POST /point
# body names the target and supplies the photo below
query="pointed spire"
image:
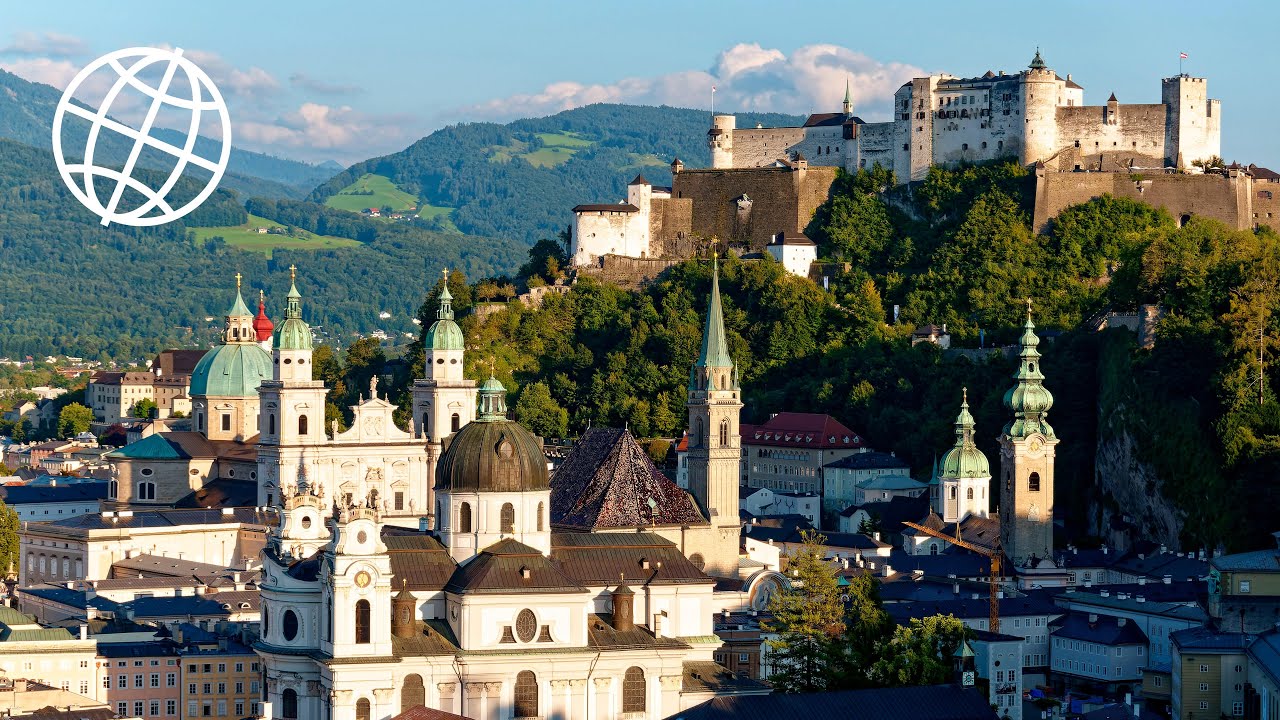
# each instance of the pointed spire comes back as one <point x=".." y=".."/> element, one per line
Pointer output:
<point x="262" y="324"/>
<point x="1037" y="63"/>
<point x="293" y="282"/>
<point x="848" y="98"/>
<point x="238" y="308"/>
<point x="715" y="349"/>
<point x="445" y="311"/>
<point x="1028" y="399"/>
<point x="964" y="421"/>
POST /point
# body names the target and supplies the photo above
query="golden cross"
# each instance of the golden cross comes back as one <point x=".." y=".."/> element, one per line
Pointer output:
<point x="1028" y="307"/>
<point x="445" y="273"/>
<point x="262" y="295"/>
<point x="964" y="393"/>
<point x="237" y="282"/>
<point x="293" y="273"/>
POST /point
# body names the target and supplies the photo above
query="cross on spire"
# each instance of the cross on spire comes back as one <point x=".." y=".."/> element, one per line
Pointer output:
<point x="238" y="282"/>
<point x="293" y="273"/>
<point x="1028" y="307"/>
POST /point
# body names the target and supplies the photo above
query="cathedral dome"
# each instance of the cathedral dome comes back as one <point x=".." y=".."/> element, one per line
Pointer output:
<point x="294" y="333"/>
<point x="964" y="459"/>
<point x="233" y="370"/>
<point x="492" y="454"/>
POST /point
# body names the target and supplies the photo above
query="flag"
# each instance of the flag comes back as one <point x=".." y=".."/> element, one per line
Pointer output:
<point x="713" y="88"/>
<point x="1182" y="56"/>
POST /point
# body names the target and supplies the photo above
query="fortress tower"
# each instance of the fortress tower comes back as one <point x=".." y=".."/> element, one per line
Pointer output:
<point x="1193" y="127"/>
<point x="720" y="139"/>
<point x="1040" y="109"/>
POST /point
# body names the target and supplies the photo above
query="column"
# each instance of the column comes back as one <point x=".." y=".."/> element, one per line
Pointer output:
<point x="577" y="701"/>
<point x="601" y="703"/>
<point x="447" y="700"/>
<point x="669" y="697"/>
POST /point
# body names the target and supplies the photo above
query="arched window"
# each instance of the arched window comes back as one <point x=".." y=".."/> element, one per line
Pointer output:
<point x="633" y="690"/>
<point x="464" y="518"/>
<point x="1033" y="482"/>
<point x="302" y="424"/>
<point x="953" y="492"/>
<point x="362" y="709"/>
<point x="699" y="435"/>
<point x="42" y="565"/>
<point x="289" y="704"/>
<point x="724" y="432"/>
<point x="425" y="429"/>
<point x="968" y="494"/>
<point x="113" y="489"/>
<point x="412" y="693"/>
<point x="289" y="626"/>
<point x="362" y="622"/>
<point x="541" y="509"/>
<point x="698" y="561"/>
<point x="146" y="490"/>
<point x="508" y="518"/>
<point x="526" y="694"/>
<point x="271" y="424"/>
<point x="933" y="548"/>
<point x="66" y="568"/>
<point x="265" y="616"/>
<point x="455" y="423"/>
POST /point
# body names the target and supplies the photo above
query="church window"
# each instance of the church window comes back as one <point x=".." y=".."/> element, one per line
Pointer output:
<point x="633" y="690"/>
<point x="271" y="424"/>
<point x="306" y="522"/>
<point x="200" y="422"/>
<point x="464" y="518"/>
<point x="526" y="694"/>
<point x="226" y="422"/>
<point x="933" y="548"/>
<point x="507" y="518"/>
<point x="113" y="489"/>
<point x="526" y="625"/>
<point x="440" y="361"/>
<point x="289" y="626"/>
<point x="698" y="561"/>
<point x="953" y="492"/>
<point x="412" y="693"/>
<point x="363" y="709"/>
<point x="146" y="491"/>
<point x="969" y="494"/>
<point x="289" y="704"/>
<point x="455" y="423"/>
<point x="1033" y="482"/>
<point x="399" y="498"/>
<point x="362" y="622"/>
<point x="541" y="510"/>
<point x="302" y="424"/>
<point x="724" y="432"/>
<point x="266" y="615"/>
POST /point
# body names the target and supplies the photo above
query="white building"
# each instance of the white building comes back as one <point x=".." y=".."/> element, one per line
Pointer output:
<point x="795" y="251"/>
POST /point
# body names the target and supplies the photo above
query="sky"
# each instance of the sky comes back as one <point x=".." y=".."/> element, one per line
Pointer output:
<point x="346" y="81"/>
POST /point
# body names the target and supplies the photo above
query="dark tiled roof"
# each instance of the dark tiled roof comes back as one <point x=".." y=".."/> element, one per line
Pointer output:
<point x="155" y="565"/>
<point x="929" y="702"/>
<point x="501" y="568"/>
<point x="195" y="605"/>
<point x="433" y="637"/>
<point x="870" y="460"/>
<point x="76" y="492"/>
<point x="1205" y="639"/>
<point x="966" y="606"/>
<point x="50" y="712"/>
<point x="133" y="650"/>
<point x="608" y="481"/>
<point x="420" y="559"/>
<point x="809" y="430"/>
<point x="161" y="518"/>
<point x="307" y="569"/>
<point x="601" y="558"/>
<point x="177" y="362"/>
<point x="639" y="180"/>
<point x="1264" y="560"/>
<point x="71" y="598"/>
<point x="602" y="635"/>
<point x="705" y="676"/>
<point x="605" y="207"/>
<point x="829" y="119"/>
<point x="220" y="493"/>
<point x="425" y="713"/>
<point x="1106" y="630"/>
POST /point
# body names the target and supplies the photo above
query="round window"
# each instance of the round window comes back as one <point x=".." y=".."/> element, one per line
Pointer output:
<point x="526" y="625"/>
<point x="287" y="361"/>
<point x="194" y="471"/>
<point x="231" y="473"/>
<point x="440" y="361"/>
<point x="306" y="522"/>
<point x="146" y="472"/>
<point x="290" y="625"/>
<point x="253" y="474"/>
<point x="453" y="361"/>
<point x="361" y="537"/>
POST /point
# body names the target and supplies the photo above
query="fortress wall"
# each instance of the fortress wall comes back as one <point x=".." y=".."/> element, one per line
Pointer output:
<point x="1266" y="204"/>
<point x="781" y="199"/>
<point x="1222" y="198"/>
<point x="877" y="143"/>
<point x="599" y="233"/>
<point x="758" y="147"/>
<point x="1137" y="138"/>
<point x="627" y="272"/>
<point x="671" y="227"/>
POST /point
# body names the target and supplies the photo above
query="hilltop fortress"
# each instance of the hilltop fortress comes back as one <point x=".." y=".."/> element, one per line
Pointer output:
<point x="766" y="183"/>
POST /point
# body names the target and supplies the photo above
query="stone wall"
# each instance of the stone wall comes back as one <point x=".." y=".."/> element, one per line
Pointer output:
<point x="1092" y="140"/>
<point x="1222" y="198"/>
<point x="759" y="147"/>
<point x="671" y="227"/>
<point x="628" y="272"/>
<point x="782" y="199"/>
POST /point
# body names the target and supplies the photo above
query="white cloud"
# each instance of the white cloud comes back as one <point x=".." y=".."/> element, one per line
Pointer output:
<point x="746" y="77"/>
<point x="321" y="131"/>
<point x="305" y="82"/>
<point x="43" y="70"/>
<point x="48" y="44"/>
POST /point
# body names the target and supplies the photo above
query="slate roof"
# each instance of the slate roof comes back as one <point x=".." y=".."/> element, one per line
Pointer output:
<point x="433" y="637"/>
<point x="159" y="518"/>
<point x="76" y="492"/>
<point x="1206" y="639"/>
<point x="607" y="481"/>
<point x="501" y="568"/>
<point x="829" y="119"/>
<point x="1259" y="560"/>
<point x="136" y="650"/>
<point x="1265" y="653"/>
<point x="418" y="558"/>
<point x="602" y="558"/>
<point x="78" y="599"/>
<point x="606" y="207"/>
<point x="893" y="512"/>
<point x="602" y="635"/>
<point x="425" y="713"/>
<point x="806" y="430"/>
<point x="1106" y="630"/>
<point x="706" y="676"/>
<point x="891" y="482"/>
<point x="147" y="565"/>
<point x="220" y="493"/>
<point x="870" y="460"/>
<point x="966" y="606"/>
<point x="928" y="702"/>
<point x="195" y="605"/>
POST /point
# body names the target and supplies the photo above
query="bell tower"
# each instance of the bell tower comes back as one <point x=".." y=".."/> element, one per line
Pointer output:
<point x="357" y="585"/>
<point x="1026" y="459"/>
<point x="715" y="443"/>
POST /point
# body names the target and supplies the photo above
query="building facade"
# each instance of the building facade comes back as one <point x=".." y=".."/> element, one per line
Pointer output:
<point x="790" y="451"/>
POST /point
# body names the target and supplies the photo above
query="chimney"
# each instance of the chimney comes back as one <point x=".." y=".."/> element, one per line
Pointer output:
<point x="887" y="570"/>
<point x="84" y="632"/>
<point x="1093" y="618"/>
<point x="1141" y="598"/>
<point x="1088" y="583"/>
<point x="1105" y="550"/>
<point x="1120" y="622"/>
<point x="1168" y="579"/>
<point x="624" y="608"/>
<point x="222" y="642"/>
<point x="20" y="685"/>
<point x="955" y="588"/>
<point x="658" y="624"/>
<point x="1142" y="581"/>
<point x="1105" y="593"/>
<point x="1164" y="549"/>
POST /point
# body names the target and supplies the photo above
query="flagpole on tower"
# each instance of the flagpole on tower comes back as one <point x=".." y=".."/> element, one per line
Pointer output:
<point x="1181" y="56"/>
<point x="713" y="101"/>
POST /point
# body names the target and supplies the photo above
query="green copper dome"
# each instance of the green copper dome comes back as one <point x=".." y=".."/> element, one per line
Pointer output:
<point x="294" y="333"/>
<point x="964" y="459"/>
<point x="1029" y="399"/>
<point x="444" y="333"/>
<point x="233" y="370"/>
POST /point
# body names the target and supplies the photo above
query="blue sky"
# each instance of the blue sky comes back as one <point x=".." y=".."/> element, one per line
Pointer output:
<point x="320" y="80"/>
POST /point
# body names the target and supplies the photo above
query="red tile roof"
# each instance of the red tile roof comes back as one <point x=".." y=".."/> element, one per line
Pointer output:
<point x="810" y="430"/>
<point x="426" y="713"/>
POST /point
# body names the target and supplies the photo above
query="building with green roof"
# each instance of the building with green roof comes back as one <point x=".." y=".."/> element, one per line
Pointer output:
<point x="224" y="384"/>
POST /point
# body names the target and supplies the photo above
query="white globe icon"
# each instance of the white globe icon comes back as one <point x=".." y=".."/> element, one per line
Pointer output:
<point x="101" y="188"/>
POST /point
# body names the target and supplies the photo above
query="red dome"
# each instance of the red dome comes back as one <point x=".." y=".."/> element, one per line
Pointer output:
<point x="262" y="324"/>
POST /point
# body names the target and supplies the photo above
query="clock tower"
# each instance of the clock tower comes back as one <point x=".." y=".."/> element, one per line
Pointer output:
<point x="356" y="573"/>
<point x="1026" y="459"/>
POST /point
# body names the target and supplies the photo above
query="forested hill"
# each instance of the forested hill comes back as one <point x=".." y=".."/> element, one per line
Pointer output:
<point x="520" y="180"/>
<point x="26" y="115"/>
<point x="70" y="285"/>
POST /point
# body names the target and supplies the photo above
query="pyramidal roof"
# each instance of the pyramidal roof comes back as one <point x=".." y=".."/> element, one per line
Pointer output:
<point x="715" y="349"/>
<point x="608" y="481"/>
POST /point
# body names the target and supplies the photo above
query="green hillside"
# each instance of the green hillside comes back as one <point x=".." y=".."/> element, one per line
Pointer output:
<point x="520" y="180"/>
<point x="26" y="115"/>
<point x="372" y="191"/>
<point x="72" y="286"/>
<point x="250" y="236"/>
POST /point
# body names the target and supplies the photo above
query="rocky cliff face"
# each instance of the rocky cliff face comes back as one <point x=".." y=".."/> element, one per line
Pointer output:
<point x="1127" y="504"/>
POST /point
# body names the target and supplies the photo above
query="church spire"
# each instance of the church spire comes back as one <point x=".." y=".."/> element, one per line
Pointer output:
<point x="715" y="349"/>
<point x="1028" y="399"/>
<point x="848" y="98"/>
<point x="445" y="311"/>
<point x="238" y="308"/>
<point x="294" y="332"/>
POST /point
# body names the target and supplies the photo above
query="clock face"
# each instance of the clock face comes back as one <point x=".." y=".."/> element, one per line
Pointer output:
<point x="363" y="579"/>
<point x="1034" y="445"/>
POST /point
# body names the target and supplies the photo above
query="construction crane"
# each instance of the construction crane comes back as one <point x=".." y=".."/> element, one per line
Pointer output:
<point x="993" y="554"/>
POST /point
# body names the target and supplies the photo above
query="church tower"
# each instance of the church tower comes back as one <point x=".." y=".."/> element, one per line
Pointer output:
<point x="224" y="384"/>
<point x="1026" y="459"/>
<point x="356" y="574"/>
<point x="715" y="447"/>
<point x="964" y="476"/>
<point x="292" y="414"/>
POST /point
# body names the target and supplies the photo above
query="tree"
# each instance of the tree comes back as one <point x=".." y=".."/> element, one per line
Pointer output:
<point x="808" y="618"/>
<point x="539" y="412"/>
<point x="867" y="629"/>
<point x="920" y="653"/>
<point x="9" y="526"/>
<point x="74" y="419"/>
<point x="144" y="408"/>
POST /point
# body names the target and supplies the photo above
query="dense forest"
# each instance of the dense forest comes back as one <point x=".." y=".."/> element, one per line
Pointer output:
<point x="470" y="167"/>
<point x="958" y="249"/>
<point x="73" y="286"/>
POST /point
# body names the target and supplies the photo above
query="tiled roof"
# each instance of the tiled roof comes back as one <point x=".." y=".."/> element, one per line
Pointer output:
<point x="420" y="559"/>
<point x="607" y="207"/>
<point x="829" y="119"/>
<point x="212" y="605"/>
<point x="508" y="566"/>
<point x="147" y="565"/>
<point x="433" y="637"/>
<point x="608" y="481"/>
<point x="162" y="446"/>
<point x="603" y="636"/>
<point x="1265" y="653"/>
<point x="1263" y="560"/>
<point x="870" y="460"/>
<point x="927" y="702"/>
<point x="967" y="606"/>
<point x="177" y="362"/>
<point x="706" y="676"/>
<point x="1204" y="639"/>
<point x="425" y="713"/>
<point x="135" y="650"/>
<point x="1106" y="630"/>
<point x="891" y="482"/>
<point x="601" y="558"/>
<point x="159" y="518"/>
<point x="76" y="492"/>
<point x="810" y="430"/>
<point x="220" y="493"/>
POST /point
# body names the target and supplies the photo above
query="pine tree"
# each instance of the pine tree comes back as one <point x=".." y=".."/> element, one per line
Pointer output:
<point x="808" y="619"/>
